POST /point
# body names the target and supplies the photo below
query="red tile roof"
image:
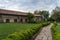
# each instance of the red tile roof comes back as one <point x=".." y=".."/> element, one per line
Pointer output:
<point x="3" y="11"/>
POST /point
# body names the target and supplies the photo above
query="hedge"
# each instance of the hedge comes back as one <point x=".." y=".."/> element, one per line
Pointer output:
<point x="54" y="30"/>
<point x="54" y="27"/>
<point x="26" y="34"/>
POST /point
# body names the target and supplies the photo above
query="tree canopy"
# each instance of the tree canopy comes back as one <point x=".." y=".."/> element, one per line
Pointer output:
<point x="56" y="14"/>
<point x="30" y="17"/>
<point x="44" y="13"/>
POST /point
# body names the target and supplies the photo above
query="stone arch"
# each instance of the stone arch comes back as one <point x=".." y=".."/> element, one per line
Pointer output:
<point x="15" y="20"/>
<point x="7" y="20"/>
<point x="26" y="20"/>
<point x="21" y="20"/>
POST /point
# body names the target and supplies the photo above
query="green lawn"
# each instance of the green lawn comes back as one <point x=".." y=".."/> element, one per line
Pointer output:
<point x="8" y="28"/>
<point x="57" y="33"/>
<point x="58" y="27"/>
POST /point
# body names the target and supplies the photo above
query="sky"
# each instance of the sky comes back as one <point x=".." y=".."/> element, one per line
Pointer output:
<point x="29" y="5"/>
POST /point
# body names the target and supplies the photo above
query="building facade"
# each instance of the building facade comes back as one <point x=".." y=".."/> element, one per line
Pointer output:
<point x="16" y="16"/>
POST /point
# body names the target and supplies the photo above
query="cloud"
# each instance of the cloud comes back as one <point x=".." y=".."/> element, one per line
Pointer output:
<point x="29" y="5"/>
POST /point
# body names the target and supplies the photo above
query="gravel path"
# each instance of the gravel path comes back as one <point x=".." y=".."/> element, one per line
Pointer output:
<point x="45" y="33"/>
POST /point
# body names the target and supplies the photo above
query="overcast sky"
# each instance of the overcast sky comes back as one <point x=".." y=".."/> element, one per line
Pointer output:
<point x="29" y="5"/>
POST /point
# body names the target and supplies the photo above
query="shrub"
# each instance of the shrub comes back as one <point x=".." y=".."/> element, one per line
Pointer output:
<point x="53" y="27"/>
<point x="54" y="31"/>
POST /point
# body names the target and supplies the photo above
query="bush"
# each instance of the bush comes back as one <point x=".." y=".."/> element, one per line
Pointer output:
<point x="54" y="27"/>
<point x="54" y="31"/>
<point x="26" y="34"/>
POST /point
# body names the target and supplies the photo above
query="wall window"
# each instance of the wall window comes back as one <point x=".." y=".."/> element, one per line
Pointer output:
<point x="25" y="20"/>
<point x="21" y="20"/>
<point x="7" y="20"/>
<point x="15" y="20"/>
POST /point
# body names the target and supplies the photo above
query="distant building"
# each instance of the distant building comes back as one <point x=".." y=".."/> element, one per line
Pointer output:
<point x="16" y="16"/>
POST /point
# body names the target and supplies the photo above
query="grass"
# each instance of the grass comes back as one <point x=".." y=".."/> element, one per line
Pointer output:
<point x="57" y="32"/>
<point x="9" y="28"/>
<point x="26" y="34"/>
<point x="58" y="27"/>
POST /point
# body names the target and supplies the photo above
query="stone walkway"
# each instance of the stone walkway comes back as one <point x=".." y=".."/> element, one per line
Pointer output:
<point x="45" y="33"/>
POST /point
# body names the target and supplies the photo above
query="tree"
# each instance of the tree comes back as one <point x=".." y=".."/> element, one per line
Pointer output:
<point x="36" y="12"/>
<point x="30" y="17"/>
<point x="45" y="14"/>
<point x="56" y="14"/>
